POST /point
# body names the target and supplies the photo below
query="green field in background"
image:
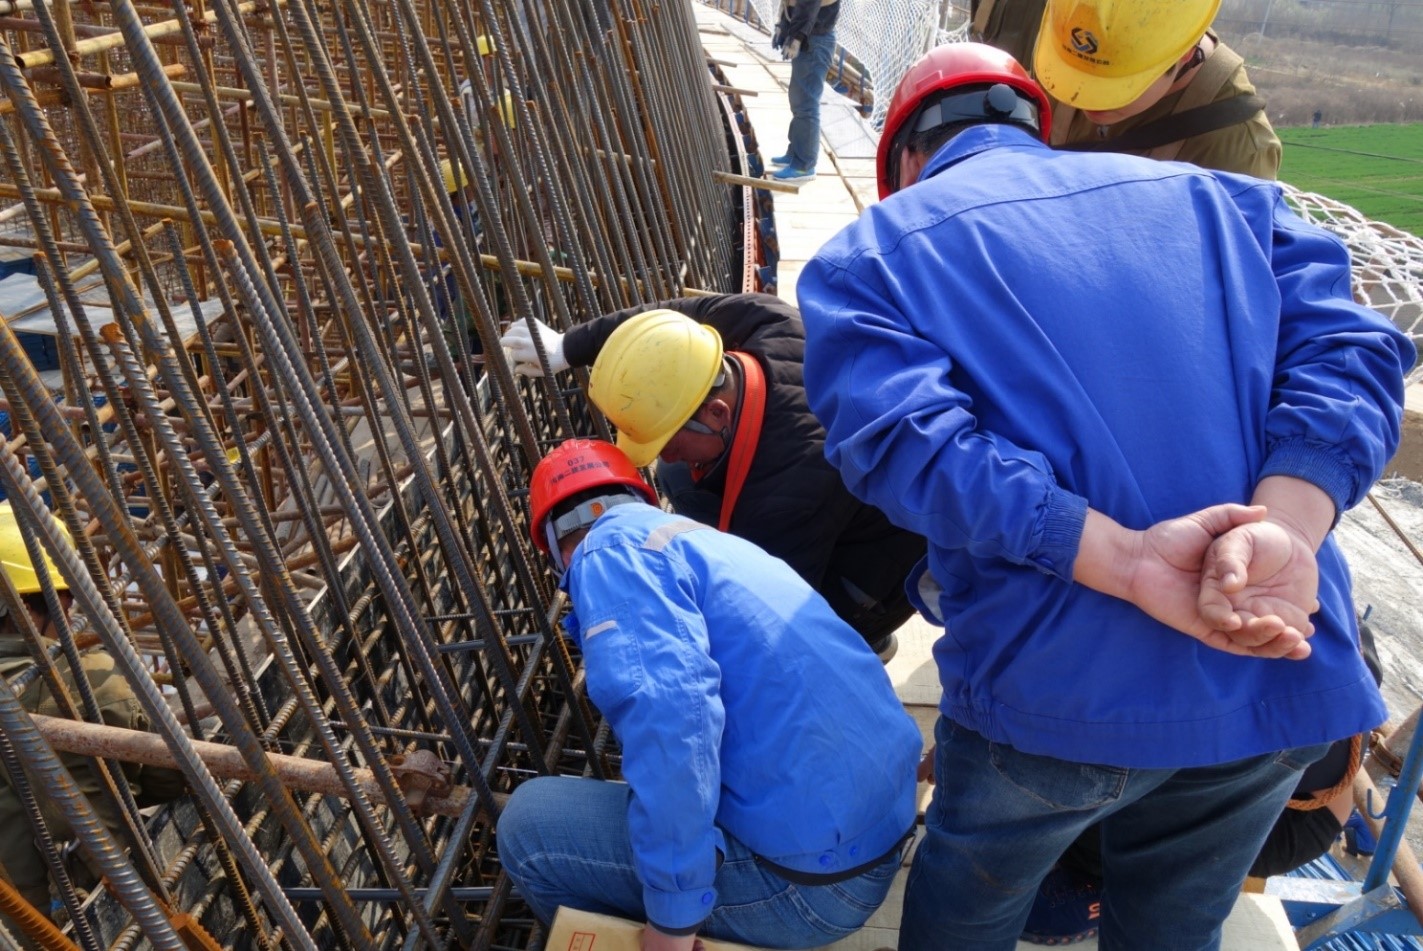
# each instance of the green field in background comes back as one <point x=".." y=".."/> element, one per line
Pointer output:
<point x="1376" y="168"/>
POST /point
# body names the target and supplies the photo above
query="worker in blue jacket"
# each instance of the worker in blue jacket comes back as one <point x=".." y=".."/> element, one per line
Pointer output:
<point x="1068" y="371"/>
<point x="769" y="765"/>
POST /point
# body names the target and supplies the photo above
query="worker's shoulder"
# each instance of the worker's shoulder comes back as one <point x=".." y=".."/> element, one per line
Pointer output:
<point x="638" y="526"/>
<point x="758" y="299"/>
<point x="102" y="672"/>
<point x="1248" y="147"/>
<point x="110" y="690"/>
<point x="751" y="312"/>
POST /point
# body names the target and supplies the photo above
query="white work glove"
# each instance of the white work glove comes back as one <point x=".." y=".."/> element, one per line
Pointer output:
<point x="520" y="345"/>
<point x="792" y="48"/>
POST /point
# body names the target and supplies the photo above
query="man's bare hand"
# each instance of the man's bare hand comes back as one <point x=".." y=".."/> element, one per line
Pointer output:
<point x="1257" y="578"/>
<point x="1165" y="580"/>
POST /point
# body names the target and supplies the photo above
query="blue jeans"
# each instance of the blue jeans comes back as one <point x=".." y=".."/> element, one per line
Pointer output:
<point x="1176" y="843"/>
<point x="808" y="71"/>
<point x="565" y="841"/>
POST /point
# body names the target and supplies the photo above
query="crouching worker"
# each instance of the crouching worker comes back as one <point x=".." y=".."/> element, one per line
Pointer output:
<point x="712" y="387"/>
<point x="769" y="765"/>
<point x="21" y="862"/>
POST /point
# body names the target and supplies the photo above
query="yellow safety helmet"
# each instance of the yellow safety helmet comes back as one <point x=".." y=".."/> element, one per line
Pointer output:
<point x="1103" y="54"/>
<point x="485" y="44"/>
<point x="15" y="560"/>
<point x="453" y="182"/>
<point x="506" y="108"/>
<point x="650" y="377"/>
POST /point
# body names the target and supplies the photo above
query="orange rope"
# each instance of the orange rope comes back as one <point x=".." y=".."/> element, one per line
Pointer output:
<point x="1320" y="800"/>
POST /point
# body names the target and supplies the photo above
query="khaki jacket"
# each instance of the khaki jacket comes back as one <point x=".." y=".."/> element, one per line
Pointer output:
<point x="1249" y="148"/>
<point x="21" y="862"/>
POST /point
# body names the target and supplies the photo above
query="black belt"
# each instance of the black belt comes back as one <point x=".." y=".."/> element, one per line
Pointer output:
<point x="797" y="877"/>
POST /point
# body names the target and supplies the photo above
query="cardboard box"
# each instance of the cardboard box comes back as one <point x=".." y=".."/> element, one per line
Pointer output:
<point x="575" y="930"/>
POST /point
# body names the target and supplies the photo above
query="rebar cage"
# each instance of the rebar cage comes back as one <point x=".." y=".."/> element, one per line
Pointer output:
<point x="255" y="260"/>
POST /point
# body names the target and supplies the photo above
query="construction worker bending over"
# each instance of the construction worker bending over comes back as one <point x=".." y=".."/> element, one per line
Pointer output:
<point x="739" y="446"/>
<point x="1067" y="370"/>
<point x="769" y="765"/>
<point x="1143" y="76"/>
<point x="21" y="862"/>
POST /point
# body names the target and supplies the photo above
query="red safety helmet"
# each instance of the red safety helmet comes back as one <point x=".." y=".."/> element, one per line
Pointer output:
<point x="576" y="466"/>
<point x="944" y="68"/>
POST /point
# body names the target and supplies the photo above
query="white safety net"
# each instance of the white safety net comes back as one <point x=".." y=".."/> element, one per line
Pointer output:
<point x="1387" y="261"/>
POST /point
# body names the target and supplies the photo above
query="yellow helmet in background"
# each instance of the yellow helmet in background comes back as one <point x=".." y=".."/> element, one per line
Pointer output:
<point x="506" y="108"/>
<point x="1101" y="55"/>
<point x="650" y="377"/>
<point x="487" y="47"/>
<point x="454" y="180"/>
<point x="15" y="560"/>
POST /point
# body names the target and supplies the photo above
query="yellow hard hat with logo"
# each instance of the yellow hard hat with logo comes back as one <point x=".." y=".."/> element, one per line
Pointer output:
<point x="650" y="377"/>
<point x="15" y="559"/>
<point x="1101" y="55"/>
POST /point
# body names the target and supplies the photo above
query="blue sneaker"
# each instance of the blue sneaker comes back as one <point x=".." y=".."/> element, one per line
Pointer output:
<point x="790" y="175"/>
<point x="1067" y="909"/>
<point x="1358" y="837"/>
<point x="780" y="161"/>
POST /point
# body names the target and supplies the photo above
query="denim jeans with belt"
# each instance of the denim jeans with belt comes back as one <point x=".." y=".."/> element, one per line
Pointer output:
<point x="1176" y="843"/>
<point x="808" y="71"/>
<point x="565" y="841"/>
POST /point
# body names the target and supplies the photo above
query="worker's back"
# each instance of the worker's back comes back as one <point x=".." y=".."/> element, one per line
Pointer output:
<point x="814" y="737"/>
<point x="1112" y="330"/>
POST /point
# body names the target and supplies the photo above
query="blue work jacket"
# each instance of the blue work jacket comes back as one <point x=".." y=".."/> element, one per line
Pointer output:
<point x="1023" y="333"/>
<point x="742" y="703"/>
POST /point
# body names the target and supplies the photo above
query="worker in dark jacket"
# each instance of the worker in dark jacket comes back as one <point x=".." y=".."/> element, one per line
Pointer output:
<point x="662" y="377"/>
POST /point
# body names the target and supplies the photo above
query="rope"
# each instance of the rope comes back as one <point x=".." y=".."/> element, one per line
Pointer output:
<point x="1320" y="800"/>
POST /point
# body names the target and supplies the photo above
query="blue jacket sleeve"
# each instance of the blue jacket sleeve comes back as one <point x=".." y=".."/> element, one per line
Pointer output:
<point x="650" y="671"/>
<point x="1337" y="402"/>
<point x="906" y="441"/>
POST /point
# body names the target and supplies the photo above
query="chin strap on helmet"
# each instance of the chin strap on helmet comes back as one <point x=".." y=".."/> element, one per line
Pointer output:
<point x="582" y="516"/>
